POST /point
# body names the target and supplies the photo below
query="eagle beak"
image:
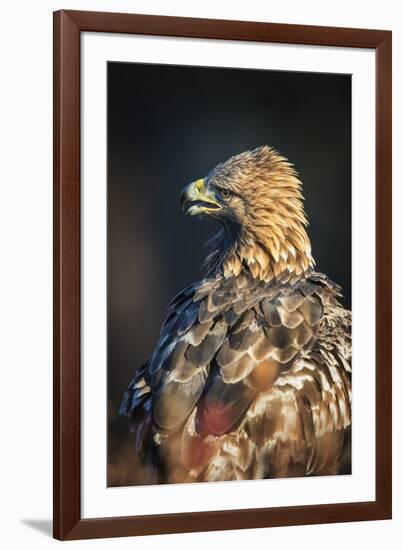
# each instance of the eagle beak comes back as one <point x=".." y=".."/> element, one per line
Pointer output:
<point x="197" y="198"/>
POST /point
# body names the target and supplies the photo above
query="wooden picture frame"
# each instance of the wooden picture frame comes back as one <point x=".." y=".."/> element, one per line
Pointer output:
<point x="68" y="26"/>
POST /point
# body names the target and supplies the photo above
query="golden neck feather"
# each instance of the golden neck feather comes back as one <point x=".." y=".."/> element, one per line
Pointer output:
<point x="272" y="241"/>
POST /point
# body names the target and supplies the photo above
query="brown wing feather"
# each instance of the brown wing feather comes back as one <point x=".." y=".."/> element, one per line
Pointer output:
<point x="248" y="356"/>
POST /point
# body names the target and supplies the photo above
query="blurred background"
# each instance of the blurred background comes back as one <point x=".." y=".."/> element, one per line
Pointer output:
<point x="169" y="125"/>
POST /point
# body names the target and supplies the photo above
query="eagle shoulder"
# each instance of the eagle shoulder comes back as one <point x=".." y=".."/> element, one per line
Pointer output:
<point x="224" y="343"/>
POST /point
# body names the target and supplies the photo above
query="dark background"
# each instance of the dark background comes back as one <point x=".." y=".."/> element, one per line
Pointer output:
<point x="169" y="125"/>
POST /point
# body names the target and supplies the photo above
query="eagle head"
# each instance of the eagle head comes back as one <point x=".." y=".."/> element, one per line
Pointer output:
<point x="257" y="197"/>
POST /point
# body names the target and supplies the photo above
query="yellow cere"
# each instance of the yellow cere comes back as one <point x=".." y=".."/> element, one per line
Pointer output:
<point x="199" y="185"/>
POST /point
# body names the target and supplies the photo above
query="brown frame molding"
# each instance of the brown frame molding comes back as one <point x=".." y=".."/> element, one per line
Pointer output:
<point x="68" y="26"/>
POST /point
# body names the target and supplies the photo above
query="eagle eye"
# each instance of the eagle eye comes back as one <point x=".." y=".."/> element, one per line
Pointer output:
<point x="225" y="193"/>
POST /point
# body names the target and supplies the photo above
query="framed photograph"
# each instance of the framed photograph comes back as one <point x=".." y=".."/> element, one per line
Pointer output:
<point x="210" y="387"/>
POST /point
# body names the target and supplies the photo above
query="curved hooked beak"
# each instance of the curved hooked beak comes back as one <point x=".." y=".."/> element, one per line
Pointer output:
<point x="197" y="198"/>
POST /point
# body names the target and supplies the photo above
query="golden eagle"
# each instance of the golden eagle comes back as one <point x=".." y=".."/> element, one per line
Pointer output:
<point x="251" y="376"/>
